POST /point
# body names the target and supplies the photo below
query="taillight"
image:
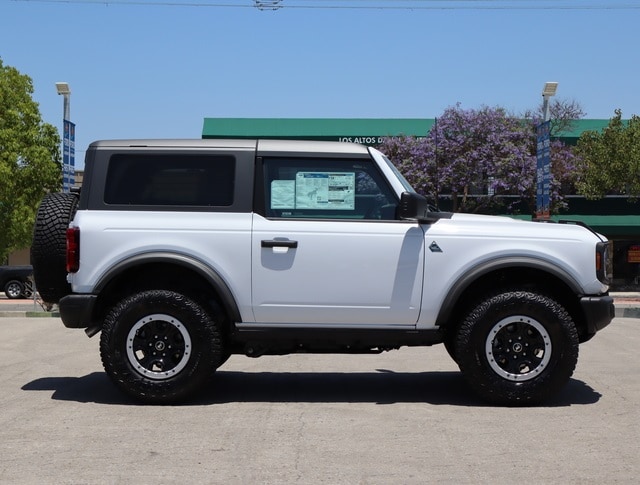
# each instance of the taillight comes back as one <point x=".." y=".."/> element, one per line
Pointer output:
<point x="604" y="263"/>
<point x="73" y="249"/>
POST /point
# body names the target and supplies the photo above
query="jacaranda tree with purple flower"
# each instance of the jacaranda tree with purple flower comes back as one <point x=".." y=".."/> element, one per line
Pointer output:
<point x="480" y="160"/>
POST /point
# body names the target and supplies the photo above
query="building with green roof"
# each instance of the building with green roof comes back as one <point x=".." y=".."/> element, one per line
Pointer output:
<point x="570" y="137"/>
<point x="367" y="131"/>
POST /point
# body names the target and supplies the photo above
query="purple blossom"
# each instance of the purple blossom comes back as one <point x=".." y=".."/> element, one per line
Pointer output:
<point x="476" y="158"/>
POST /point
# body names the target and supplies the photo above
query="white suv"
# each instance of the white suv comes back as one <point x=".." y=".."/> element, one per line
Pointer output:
<point x="183" y="252"/>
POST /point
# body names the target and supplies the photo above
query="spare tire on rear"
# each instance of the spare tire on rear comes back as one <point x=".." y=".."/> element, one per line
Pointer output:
<point x="49" y="245"/>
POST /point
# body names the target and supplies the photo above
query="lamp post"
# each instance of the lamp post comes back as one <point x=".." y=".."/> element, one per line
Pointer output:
<point x="543" y="155"/>
<point x="548" y="91"/>
<point x="65" y="91"/>
<point x="68" y="139"/>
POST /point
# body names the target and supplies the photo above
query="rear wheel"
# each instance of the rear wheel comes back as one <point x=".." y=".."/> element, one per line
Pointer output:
<point x="517" y="348"/>
<point x="160" y="346"/>
<point x="49" y="245"/>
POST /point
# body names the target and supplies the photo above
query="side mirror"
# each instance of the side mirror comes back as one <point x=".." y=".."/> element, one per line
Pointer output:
<point x="413" y="206"/>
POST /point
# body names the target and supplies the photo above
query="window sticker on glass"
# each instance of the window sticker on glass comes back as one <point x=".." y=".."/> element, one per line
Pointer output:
<point x="325" y="190"/>
<point x="283" y="194"/>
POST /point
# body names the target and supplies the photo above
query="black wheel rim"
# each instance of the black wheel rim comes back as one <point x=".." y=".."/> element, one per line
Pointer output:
<point x="518" y="348"/>
<point x="158" y="346"/>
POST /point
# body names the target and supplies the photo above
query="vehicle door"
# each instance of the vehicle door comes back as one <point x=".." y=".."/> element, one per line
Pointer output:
<point x="327" y="248"/>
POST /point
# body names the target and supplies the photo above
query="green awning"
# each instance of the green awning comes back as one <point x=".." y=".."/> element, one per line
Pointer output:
<point x="580" y="126"/>
<point x="358" y="130"/>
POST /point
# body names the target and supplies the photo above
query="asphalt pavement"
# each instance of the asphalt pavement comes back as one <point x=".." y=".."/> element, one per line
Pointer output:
<point x="402" y="417"/>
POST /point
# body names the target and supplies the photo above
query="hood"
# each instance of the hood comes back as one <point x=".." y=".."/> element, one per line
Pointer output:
<point x="504" y="226"/>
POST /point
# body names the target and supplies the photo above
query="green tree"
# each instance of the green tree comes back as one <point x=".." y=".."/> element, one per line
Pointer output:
<point x="29" y="160"/>
<point x="611" y="159"/>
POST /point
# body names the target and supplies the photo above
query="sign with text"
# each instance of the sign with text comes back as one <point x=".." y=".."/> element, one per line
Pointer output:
<point x="68" y="156"/>
<point x="633" y="254"/>
<point x="543" y="172"/>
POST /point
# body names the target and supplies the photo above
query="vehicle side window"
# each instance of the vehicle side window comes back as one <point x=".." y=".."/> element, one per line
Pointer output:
<point x="326" y="189"/>
<point x="170" y="180"/>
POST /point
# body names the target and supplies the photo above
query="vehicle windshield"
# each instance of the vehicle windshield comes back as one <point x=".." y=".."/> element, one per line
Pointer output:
<point x="381" y="156"/>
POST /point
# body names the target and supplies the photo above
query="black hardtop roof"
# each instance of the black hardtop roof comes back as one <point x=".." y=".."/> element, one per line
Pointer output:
<point x="172" y="143"/>
<point x="261" y="146"/>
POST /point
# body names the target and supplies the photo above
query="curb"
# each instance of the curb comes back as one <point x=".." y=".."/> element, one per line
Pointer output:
<point x="30" y="314"/>
<point x="42" y="314"/>
<point x="627" y="312"/>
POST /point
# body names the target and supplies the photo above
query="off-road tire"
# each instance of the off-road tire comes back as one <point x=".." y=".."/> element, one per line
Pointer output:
<point x="49" y="245"/>
<point x="160" y="347"/>
<point x="517" y="348"/>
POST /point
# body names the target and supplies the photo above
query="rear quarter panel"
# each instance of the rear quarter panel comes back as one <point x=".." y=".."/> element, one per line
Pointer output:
<point x="222" y="241"/>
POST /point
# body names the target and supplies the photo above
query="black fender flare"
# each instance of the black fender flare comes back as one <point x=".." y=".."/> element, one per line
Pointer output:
<point x="469" y="277"/>
<point x="209" y="274"/>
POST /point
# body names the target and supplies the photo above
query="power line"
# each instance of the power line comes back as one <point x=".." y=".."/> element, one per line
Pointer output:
<point x="462" y="4"/>
<point x="369" y="4"/>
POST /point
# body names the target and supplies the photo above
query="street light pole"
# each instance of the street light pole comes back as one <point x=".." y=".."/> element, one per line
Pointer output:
<point x="68" y="139"/>
<point x="549" y="90"/>
<point x="65" y="91"/>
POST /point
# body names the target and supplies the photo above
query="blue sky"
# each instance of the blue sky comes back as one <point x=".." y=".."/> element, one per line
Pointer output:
<point x="157" y="69"/>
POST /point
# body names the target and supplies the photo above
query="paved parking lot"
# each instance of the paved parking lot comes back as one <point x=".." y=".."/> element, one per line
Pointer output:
<point x="399" y="417"/>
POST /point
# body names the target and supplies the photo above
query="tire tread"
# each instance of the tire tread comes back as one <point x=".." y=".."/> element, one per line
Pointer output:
<point x="476" y="370"/>
<point x="49" y="245"/>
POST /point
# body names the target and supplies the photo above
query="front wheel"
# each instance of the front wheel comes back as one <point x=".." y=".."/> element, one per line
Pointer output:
<point x="517" y="348"/>
<point x="159" y="346"/>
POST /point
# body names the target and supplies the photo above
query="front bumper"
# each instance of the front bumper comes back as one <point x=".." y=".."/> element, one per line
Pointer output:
<point x="76" y="311"/>
<point x="598" y="312"/>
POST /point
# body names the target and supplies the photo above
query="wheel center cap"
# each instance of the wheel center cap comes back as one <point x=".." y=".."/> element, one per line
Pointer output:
<point x="517" y="347"/>
<point x="159" y="345"/>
